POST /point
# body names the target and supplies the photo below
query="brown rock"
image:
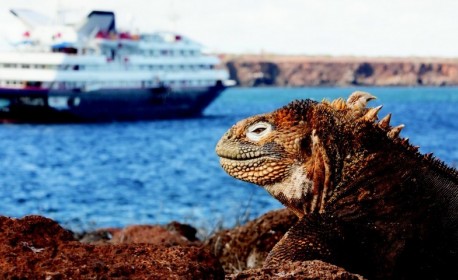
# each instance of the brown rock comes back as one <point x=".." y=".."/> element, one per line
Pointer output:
<point x="38" y="248"/>
<point x="149" y="234"/>
<point x="171" y="234"/>
<point x="42" y="231"/>
<point x="316" y="269"/>
<point x="247" y="246"/>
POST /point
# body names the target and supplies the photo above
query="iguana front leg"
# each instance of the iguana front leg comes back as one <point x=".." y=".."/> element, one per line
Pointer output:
<point x="312" y="237"/>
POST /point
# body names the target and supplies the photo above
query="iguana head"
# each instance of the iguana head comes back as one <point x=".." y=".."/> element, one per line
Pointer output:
<point x="297" y="152"/>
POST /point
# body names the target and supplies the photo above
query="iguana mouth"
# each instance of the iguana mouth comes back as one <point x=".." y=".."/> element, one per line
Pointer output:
<point x="245" y="163"/>
<point x="260" y="170"/>
<point x="241" y="157"/>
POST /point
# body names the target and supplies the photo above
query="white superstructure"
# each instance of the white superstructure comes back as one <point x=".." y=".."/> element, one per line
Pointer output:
<point x="96" y="56"/>
<point x="91" y="71"/>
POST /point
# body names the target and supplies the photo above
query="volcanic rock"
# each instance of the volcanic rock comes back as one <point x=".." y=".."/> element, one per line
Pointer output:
<point x="35" y="247"/>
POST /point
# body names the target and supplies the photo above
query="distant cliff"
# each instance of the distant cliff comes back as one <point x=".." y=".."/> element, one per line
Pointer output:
<point x="298" y="71"/>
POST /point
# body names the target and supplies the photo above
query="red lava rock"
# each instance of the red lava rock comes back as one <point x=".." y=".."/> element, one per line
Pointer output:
<point x="44" y="232"/>
<point x="150" y="234"/>
<point x="171" y="234"/>
<point x="38" y="248"/>
<point x="248" y="245"/>
<point x="316" y="269"/>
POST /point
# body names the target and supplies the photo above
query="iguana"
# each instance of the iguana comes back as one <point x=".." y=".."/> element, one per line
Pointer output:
<point x="366" y="198"/>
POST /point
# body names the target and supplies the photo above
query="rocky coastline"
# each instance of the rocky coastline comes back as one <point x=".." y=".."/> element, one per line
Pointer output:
<point x="35" y="247"/>
<point x="304" y="71"/>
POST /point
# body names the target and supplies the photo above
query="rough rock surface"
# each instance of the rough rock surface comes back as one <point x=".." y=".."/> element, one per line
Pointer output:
<point x="35" y="247"/>
<point x="297" y="270"/>
<point x="171" y="234"/>
<point x="247" y="246"/>
<point x="341" y="71"/>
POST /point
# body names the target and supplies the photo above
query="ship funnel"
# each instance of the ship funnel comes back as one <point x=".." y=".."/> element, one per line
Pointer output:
<point x="97" y="21"/>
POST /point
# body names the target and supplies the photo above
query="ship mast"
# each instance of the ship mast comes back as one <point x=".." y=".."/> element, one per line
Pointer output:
<point x="174" y="17"/>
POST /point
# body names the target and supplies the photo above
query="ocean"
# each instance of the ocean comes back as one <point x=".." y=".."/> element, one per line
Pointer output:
<point x="89" y="176"/>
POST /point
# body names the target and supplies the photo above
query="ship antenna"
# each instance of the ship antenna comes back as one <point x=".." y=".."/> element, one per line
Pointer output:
<point x="174" y="17"/>
<point x="59" y="13"/>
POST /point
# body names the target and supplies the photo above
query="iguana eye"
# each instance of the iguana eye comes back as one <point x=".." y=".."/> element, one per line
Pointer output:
<point x="258" y="130"/>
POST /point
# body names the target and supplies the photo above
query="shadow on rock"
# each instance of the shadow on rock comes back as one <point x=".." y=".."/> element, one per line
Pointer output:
<point x="247" y="246"/>
<point x="297" y="270"/>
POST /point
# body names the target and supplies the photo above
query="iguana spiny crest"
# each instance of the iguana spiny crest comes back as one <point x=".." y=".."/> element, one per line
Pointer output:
<point x="299" y="153"/>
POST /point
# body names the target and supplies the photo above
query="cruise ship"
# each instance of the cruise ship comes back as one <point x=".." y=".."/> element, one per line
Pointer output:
<point x="93" y="72"/>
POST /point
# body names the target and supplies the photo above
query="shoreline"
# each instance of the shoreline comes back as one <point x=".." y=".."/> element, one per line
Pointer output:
<point x="302" y="71"/>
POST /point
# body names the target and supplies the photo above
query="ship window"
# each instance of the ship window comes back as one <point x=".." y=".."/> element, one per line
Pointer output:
<point x="33" y="84"/>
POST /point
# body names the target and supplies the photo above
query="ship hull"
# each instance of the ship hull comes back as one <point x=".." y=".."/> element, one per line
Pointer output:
<point x="104" y="104"/>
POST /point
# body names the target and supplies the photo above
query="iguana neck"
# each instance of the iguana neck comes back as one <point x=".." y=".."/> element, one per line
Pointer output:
<point x="309" y="184"/>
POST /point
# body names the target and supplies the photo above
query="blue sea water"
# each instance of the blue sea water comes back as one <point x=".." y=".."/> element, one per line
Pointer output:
<point x="101" y="175"/>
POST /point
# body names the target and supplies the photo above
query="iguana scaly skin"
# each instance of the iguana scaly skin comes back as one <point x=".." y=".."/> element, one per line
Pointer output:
<point x="367" y="200"/>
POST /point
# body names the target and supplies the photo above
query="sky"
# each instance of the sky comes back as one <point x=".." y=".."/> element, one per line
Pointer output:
<point x="294" y="27"/>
